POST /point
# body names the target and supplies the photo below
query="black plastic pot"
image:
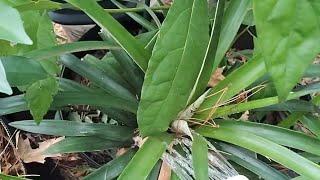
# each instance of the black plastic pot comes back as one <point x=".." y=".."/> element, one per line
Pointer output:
<point x="75" y="17"/>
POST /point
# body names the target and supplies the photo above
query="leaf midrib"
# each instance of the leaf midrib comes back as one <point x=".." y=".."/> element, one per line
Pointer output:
<point x="181" y="59"/>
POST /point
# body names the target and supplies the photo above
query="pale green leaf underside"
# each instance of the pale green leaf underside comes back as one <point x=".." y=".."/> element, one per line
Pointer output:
<point x="174" y="67"/>
<point x="11" y="25"/>
<point x="4" y="84"/>
<point x="288" y="34"/>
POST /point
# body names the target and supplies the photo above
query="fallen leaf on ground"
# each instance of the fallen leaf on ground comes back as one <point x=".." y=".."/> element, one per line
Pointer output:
<point x="165" y="172"/>
<point x="28" y="155"/>
<point x="216" y="77"/>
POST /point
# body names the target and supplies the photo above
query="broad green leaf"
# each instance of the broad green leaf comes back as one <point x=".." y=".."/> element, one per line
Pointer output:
<point x="37" y="26"/>
<point x="174" y="67"/>
<point x="11" y="25"/>
<point x="200" y="157"/>
<point x="39" y="97"/>
<point x="289" y="138"/>
<point x="288" y="36"/>
<point x="118" y="32"/>
<point x="264" y="147"/>
<point x="148" y="155"/>
<point x="112" y="169"/>
<point x="232" y="20"/>
<point x="37" y="5"/>
<point x="22" y="71"/>
<point x="31" y="21"/>
<point x="96" y="76"/>
<point x="46" y="38"/>
<point x="4" y="84"/>
<point x="80" y="144"/>
<point x="77" y="129"/>
<point x="244" y="158"/>
<point x="58" y="50"/>
<point x="207" y="66"/>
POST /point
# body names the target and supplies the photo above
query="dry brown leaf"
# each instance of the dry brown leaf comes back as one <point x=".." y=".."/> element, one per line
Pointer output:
<point x="216" y="77"/>
<point x="245" y="116"/>
<point x="28" y="155"/>
<point x="165" y="172"/>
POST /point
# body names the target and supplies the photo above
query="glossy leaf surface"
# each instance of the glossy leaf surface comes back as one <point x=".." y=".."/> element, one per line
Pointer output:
<point x="174" y="67"/>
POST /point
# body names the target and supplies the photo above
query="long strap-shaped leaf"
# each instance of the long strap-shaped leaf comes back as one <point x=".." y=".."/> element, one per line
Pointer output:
<point x="265" y="147"/>
<point x="148" y="155"/>
<point x="112" y="169"/>
<point x="200" y="157"/>
<point x="288" y="138"/>
<point x="80" y="144"/>
<point x="118" y="32"/>
<point x="58" y="50"/>
<point x="232" y="20"/>
<point x="77" y="129"/>
<point x="18" y="103"/>
<point x="248" y="160"/>
<point x="96" y="76"/>
<point x="207" y="65"/>
<point x="174" y="66"/>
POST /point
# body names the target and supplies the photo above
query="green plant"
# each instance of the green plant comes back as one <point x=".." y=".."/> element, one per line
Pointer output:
<point x="174" y="96"/>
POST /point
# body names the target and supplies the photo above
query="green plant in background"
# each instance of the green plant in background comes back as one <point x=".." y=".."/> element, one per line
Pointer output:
<point x="176" y="62"/>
